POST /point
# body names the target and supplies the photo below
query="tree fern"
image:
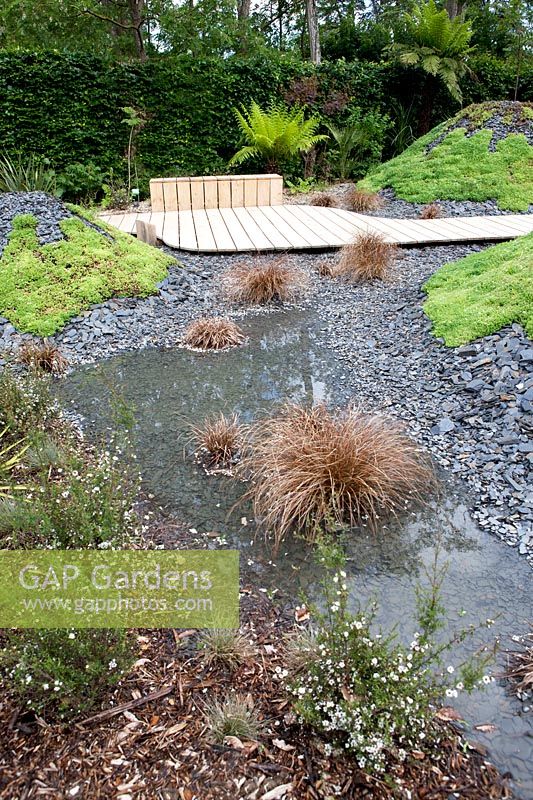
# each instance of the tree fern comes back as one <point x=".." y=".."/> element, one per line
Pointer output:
<point x="275" y="134"/>
<point x="439" y="46"/>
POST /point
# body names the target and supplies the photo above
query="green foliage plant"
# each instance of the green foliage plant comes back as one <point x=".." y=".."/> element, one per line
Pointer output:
<point x="439" y="46"/>
<point x="81" y="182"/>
<point x="358" y="143"/>
<point x="275" y="135"/>
<point x="61" y="673"/>
<point x="43" y="286"/>
<point x="26" y="174"/>
<point x="484" y="291"/>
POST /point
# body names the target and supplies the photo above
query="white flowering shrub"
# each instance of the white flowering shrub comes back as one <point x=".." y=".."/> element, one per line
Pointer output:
<point x="369" y="693"/>
<point x="73" y="495"/>
<point x="60" y="673"/>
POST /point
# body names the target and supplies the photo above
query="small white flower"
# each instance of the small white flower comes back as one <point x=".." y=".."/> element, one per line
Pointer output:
<point x="450" y="669"/>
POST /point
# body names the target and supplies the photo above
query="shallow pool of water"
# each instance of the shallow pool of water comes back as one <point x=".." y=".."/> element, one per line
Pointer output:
<point x="284" y="360"/>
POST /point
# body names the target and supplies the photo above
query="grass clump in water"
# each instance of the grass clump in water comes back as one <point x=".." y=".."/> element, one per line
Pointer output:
<point x="213" y="333"/>
<point x="312" y="467"/>
<point x="219" y="439"/>
<point x="484" y="291"/>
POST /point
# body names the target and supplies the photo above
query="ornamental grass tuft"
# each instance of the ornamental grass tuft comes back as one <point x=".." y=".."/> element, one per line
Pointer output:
<point x="264" y="282"/>
<point x="43" y="357"/>
<point x="218" y="439"/>
<point x="312" y="468"/>
<point x="369" y="257"/>
<point x="325" y="200"/>
<point x="360" y="201"/>
<point x="213" y="333"/>
<point x="431" y="211"/>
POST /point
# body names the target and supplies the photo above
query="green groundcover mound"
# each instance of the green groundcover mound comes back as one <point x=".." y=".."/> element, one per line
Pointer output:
<point x="483" y="153"/>
<point x="43" y="286"/>
<point x="479" y="294"/>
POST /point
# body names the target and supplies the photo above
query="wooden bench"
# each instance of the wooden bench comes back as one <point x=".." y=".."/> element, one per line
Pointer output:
<point x="215" y="191"/>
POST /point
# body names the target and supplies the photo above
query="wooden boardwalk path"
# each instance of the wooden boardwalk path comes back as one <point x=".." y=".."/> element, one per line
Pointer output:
<point x="303" y="227"/>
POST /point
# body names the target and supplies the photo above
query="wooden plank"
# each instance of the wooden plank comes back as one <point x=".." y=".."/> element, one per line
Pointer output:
<point x="455" y="230"/>
<point x="170" y="195"/>
<point x="146" y="232"/>
<point x="295" y="239"/>
<point x="115" y="220"/>
<point x="224" y="192"/>
<point x="276" y="190"/>
<point x="157" y="218"/>
<point x="273" y="234"/>
<point x="184" y="195"/>
<point x="171" y="228"/>
<point x="187" y="231"/>
<point x="210" y="193"/>
<point x="254" y="231"/>
<point x="411" y="231"/>
<point x="224" y="242"/>
<point x="105" y="218"/>
<point x="156" y="195"/>
<point x="197" y="193"/>
<point x="205" y="241"/>
<point x="237" y="192"/>
<point x="263" y="191"/>
<point x="323" y="224"/>
<point x="305" y="229"/>
<point x="237" y="232"/>
<point x="350" y="221"/>
<point x="520" y="224"/>
<point x="250" y="192"/>
<point x="128" y="222"/>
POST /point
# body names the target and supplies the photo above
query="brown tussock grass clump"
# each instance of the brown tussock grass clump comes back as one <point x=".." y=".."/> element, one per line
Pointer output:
<point x="219" y="439"/>
<point x="42" y="357"/>
<point x="431" y="211"/>
<point x="264" y="282"/>
<point x="324" y="200"/>
<point x="311" y="469"/>
<point x="213" y="333"/>
<point x="359" y="200"/>
<point x="369" y="257"/>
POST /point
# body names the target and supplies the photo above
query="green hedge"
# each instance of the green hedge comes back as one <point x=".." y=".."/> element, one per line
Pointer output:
<point x="68" y="107"/>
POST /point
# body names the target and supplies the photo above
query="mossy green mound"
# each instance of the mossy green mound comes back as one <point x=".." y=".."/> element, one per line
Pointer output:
<point x="461" y="166"/>
<point x="481" y="293"/>
<point x="43" y="286"/>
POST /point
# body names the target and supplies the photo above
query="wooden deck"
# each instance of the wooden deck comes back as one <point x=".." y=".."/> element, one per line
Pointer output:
<point x="303" y="227"/>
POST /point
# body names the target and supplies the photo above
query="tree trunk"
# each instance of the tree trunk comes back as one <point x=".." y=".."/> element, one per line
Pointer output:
<point x="314" y="35"/>
<point x="243" y="9"/>
<point x="136" y="9"/>
<point x="454" y="8"/>
<point x="426" y="109"/>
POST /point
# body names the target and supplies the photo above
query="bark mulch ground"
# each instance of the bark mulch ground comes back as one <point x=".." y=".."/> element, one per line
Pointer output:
<point x="152" y="741"/>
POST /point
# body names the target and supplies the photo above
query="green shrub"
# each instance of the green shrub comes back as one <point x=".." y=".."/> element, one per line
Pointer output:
<point x="62" y="674"/>
<point x="26" y="404"/>
<point x="44" y="286"/>
<point x="81" y="182"/>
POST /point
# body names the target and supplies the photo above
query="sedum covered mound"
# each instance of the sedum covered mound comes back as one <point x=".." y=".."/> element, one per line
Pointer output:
<point x="479" y="294"/>
<point x="44" y="284"/>
<point x="483" y="153"/>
